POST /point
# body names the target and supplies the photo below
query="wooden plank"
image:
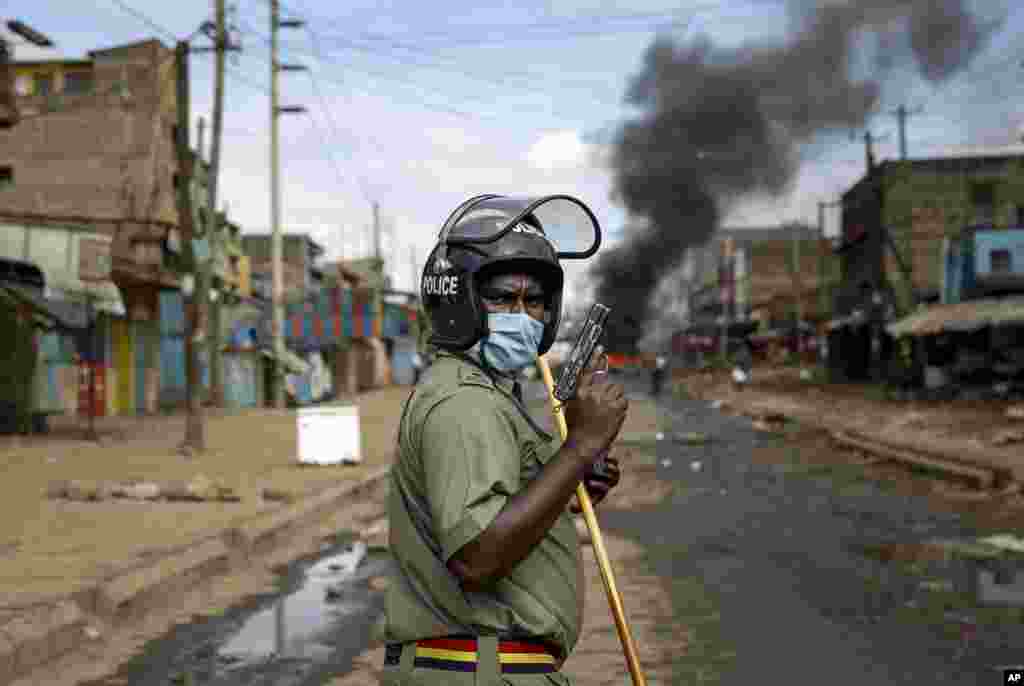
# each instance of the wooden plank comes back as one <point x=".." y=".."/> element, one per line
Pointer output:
<point x="984" y="477"/>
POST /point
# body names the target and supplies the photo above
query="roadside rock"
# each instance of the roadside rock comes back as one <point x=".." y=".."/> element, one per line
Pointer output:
<point x="1008" y="437"/>
<point x="278" y="495"/>
<point x="57" y="489"/>
<point x="140" y="491"/>
<point x="202" y="488"/>
<point x="80" y="491"/>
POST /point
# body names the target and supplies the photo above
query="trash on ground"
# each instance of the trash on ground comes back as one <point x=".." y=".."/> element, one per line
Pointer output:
<point x="1015" y="412"/>
<point x="342" y="564"/>
<point x="659" y="436"/>
<point x="696" y="466"/>
<point x="1004" y="542"/>
<point x="1008" y="437"/>
<point x="666" y="462"/>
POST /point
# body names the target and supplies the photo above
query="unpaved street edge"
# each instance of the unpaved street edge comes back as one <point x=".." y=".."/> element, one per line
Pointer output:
<point x="99" y="644"/>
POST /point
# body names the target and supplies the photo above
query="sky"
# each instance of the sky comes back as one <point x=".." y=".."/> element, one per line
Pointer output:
<point x="417" y="106"/>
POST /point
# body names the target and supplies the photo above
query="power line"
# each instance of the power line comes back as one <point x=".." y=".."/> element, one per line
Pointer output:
<point x="145" y="19"/>
<point x="406" y="62"/>
<point x="510" y="31"/>
<point x="410" y="84"/>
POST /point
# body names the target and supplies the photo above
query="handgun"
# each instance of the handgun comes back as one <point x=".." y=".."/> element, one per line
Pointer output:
<point x="582" y="351"/>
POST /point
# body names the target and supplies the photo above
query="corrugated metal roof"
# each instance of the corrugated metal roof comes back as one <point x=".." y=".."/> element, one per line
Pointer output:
<point x="965" y="316"/>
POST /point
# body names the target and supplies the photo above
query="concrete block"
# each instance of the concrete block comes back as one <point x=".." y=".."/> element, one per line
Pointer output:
<point x="135" y="592"/>
<point x="7" y="673"/>
<point x="42" y="635"/>
<point x="263" y="533"/>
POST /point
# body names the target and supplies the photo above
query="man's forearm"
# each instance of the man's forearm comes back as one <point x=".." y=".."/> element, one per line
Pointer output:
<point x="524" y="521"/>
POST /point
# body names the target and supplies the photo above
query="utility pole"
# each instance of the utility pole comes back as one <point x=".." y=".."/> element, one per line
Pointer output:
<point x="869" y="148"/>
<point x="186" y="222"/>
<point x="902" y="113"/>
<point x="195" y="428"/>
<point x="726" y="293"/>
<point x="823" y="301"/>
<point x="276" y="241"/>
<point x="213" y="225"/>
<point x="376" y="234"/>
<point x="415" y="270"/>
<point x="798" y="292"/>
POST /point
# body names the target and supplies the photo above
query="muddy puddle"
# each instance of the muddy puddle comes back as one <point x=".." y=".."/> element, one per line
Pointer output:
<point x="310" y="630"/>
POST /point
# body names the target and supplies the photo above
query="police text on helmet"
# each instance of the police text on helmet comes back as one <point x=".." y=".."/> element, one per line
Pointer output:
<point x="440" y="285"/>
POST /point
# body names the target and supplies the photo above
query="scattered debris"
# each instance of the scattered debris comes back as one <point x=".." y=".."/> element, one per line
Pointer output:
<point x="910" y="420"/>
<point x="805" y="375"/>
<point x="692" y="438"/>
<point x="937" y="585"/>
<point x="666" y="462"/>
<point x="344" y="563"/>
<point x="278" y="495"/>
<point x="198" y="489"/>
<point x="92" y="633"/>
<point x="1008" y="436"/>
<point x="718" y="405"/>
<point x="659" y="436"/>
<point x="762" y="425"/>
<point x="696" y="466"/>
<point x="140" y="491"/>
<point x="968" y="550"/>
<point x="1015" y="412"/>
<point x="905" y="552"/>
<point x="79" y="491"/>
<point x="1005" y="542"/>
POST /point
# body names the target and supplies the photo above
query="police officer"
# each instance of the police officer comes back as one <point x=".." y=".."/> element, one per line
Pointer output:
<point x="489" y="582"/>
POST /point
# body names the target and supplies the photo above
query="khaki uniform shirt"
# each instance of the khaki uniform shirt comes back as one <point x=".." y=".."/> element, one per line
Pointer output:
<point x="466" y="445"/>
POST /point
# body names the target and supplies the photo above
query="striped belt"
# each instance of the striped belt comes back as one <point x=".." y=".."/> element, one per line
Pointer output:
<point x="460" y="655"/>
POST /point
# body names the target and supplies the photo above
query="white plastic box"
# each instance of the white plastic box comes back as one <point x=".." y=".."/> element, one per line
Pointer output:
<point x="329" y="435"/>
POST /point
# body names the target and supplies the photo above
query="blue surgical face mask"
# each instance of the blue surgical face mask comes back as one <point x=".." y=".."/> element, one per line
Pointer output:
<point x="513" y="341"/>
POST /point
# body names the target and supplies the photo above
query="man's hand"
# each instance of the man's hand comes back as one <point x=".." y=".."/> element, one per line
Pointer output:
<point x="600" y="482"/>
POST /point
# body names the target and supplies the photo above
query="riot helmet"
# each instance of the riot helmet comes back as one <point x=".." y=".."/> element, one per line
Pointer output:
<point x="494" y="234"/>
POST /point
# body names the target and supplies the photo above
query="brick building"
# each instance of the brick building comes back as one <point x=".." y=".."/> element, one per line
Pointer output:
<point x="764" y="286"/>
<point x="896" y="218"/>
<point x="94" y="154"/>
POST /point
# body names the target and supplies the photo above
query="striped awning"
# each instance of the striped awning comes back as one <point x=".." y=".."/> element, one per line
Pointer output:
<point x="965" y="316"/>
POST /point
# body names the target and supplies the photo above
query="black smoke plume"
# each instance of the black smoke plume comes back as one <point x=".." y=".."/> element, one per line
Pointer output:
<point x="719" y="127"/>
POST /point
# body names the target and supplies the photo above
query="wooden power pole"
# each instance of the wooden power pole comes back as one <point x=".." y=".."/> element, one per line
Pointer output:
<point x="276" y="239"/>
<point x="198" y="320"/>
<point x="186" y="223"/>
<point x="213" y="228"/>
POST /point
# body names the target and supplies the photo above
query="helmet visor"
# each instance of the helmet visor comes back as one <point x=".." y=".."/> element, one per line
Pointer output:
<point x="566" y="222"/>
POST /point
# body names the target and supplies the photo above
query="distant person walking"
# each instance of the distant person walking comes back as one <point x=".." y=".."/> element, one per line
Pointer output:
<point x="744" y="364"/>
<point x="658" y="375"/>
